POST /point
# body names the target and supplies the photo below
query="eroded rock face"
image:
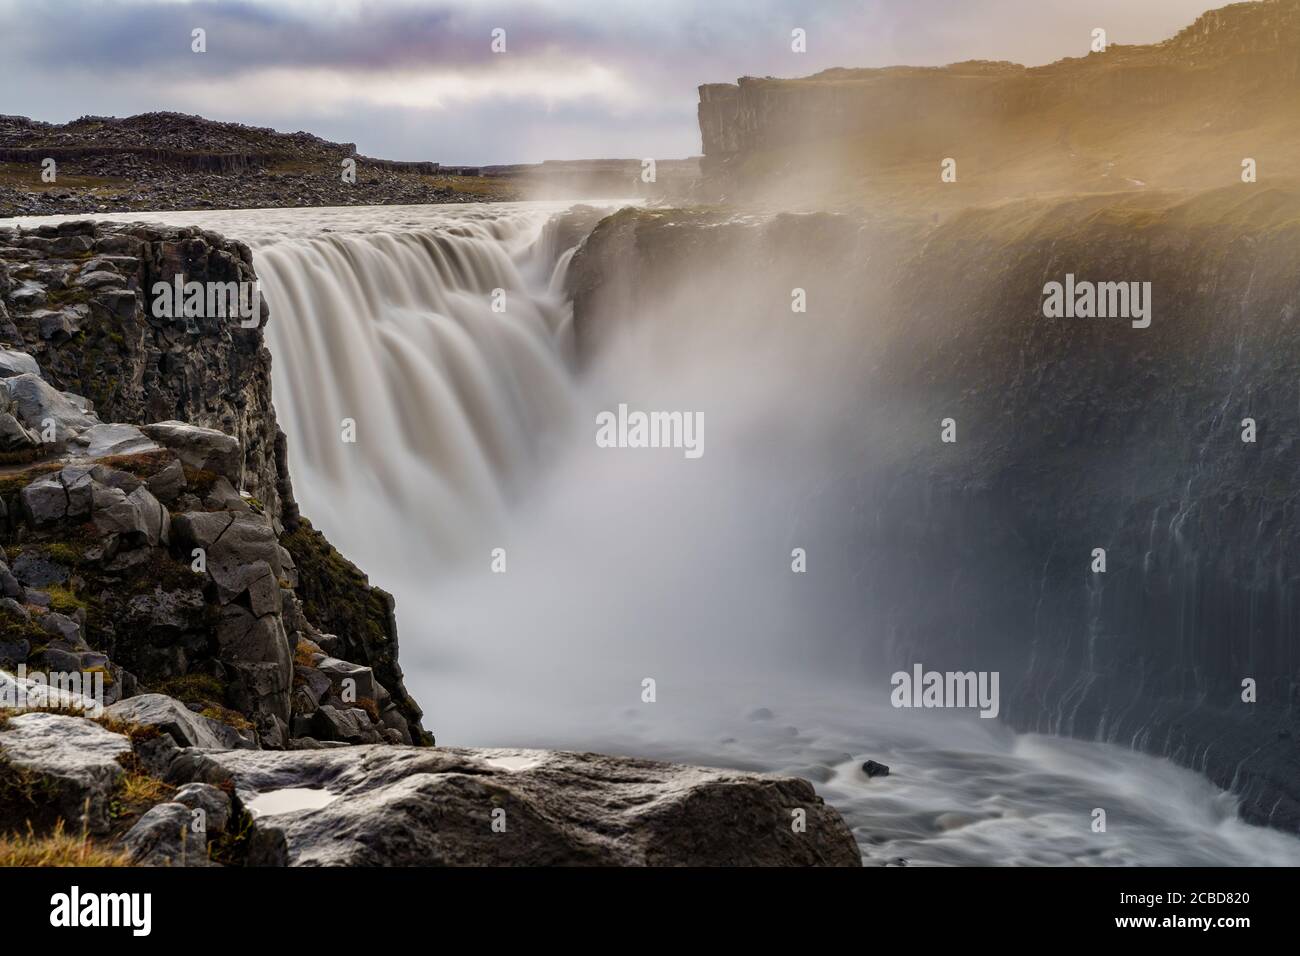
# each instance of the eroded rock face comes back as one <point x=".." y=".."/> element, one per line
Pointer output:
<point x="1072" y="434"/>
<point x="404" y="806"/>
<point x="172" y="522"/>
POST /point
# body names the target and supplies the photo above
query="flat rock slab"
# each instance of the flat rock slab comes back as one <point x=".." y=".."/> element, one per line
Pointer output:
<point x="72" y="760"/>
<point x="420" y="806"/>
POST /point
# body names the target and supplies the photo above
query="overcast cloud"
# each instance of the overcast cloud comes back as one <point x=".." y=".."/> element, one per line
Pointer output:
<point x="580" y="78"/>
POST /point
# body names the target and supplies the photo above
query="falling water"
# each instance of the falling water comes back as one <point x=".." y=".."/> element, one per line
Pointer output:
<point x="473" y="432"/>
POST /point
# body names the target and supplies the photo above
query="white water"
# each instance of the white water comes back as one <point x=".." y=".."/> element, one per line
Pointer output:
<point x="474" y="432"/>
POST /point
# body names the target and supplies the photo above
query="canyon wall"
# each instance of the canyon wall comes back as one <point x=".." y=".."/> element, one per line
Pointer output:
<point x="1071" y="435"/>
<point x="84" y="349"/>
<point x="1179" y="113"/>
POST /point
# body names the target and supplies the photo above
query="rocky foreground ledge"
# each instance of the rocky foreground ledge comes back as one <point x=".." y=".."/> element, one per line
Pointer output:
<point x="190" y="675"/>
<point x="397" y="805"/>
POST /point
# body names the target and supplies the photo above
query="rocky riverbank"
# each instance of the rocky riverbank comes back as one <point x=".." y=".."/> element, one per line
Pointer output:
<point x="152" y="547"/>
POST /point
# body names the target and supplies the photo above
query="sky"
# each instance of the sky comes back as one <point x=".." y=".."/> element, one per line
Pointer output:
<point x="419" y="80"/>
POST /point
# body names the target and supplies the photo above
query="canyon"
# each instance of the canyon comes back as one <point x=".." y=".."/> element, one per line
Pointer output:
<point x="1119" y="686"/>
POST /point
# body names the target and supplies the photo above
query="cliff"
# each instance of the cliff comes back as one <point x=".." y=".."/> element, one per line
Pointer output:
<point x="1072" y="434"/>
<point x="1181" y="113"/>
<point x="86" y="352"/>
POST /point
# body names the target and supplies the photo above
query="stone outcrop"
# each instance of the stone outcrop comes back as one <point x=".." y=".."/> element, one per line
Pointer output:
<point x="169" y="530"/>
<point x="64" y="766"/>
<point x="401" y="806"/>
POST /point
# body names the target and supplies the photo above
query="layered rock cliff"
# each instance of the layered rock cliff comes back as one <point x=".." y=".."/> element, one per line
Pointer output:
<point x="1184" y="112"/>
<point x="112" y="514"/>
<point x="1071" y="435"/>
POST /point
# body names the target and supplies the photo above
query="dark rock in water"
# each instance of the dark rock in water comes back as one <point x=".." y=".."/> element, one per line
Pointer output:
<point x="873" y="769"/>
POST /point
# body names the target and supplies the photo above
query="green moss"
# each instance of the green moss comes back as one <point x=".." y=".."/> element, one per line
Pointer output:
<point x="63" y="599"/>
<point x="13" y="628"/>
<point x="200" y="689"/>
<point x="64" y="552"/>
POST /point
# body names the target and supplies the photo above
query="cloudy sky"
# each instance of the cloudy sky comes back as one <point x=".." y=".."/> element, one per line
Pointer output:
<point x="417" y="79"/>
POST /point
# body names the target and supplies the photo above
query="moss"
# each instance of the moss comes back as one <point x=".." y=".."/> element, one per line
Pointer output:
<point x="129" y="729"/>
<point x="20" y="457"/>
<point x="193" y="689"/>
<point x="303" y="655"/>
<point x="64" y="600"/>
<point x="231" y="847"/>
<point x="136" y="793"/>
<point x="58" y="298"/>
<point x="13" y="629"/>
<point x="64" y="552"/>
<point x="199" y="481"/>
<point x="224" y="715"/>
<point x="15" y="482"/>
<point x="143" y="465"/>
<point x="369" y="706"/>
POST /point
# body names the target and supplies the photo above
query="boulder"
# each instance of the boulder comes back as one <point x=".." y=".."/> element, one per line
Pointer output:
<point x="214" y="803"/>
<point x="363" y="679"/>
<point x="204" y="448"/>
<point x="44" y="500"/>
<point x="20" y="693"/>
<point x="17" y="363"/>
<point x="164" y="837"/>
<point x="422" y="806"/>
<point x="173" y="718"/>
<point x="72" y="759"/>
<point x="36" y="401"/>
<point x="99" y="441"/>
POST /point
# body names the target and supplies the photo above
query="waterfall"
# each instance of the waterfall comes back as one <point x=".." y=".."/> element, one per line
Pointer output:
<point x="474" y="432"/>
<point x="445" y="348"/>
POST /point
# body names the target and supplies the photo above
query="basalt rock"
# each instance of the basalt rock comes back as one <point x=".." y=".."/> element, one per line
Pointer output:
<point x="168" y="488"/>
<point x="403" y="806"/>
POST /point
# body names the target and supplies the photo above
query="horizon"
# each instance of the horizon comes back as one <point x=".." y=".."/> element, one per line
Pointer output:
<point x="421" y="83"/>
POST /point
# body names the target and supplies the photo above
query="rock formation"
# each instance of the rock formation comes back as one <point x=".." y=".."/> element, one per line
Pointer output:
<point x="152" y="547"/>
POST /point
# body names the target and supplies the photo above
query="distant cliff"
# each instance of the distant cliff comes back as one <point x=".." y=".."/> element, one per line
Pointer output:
<point x="1181" y="113"/>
